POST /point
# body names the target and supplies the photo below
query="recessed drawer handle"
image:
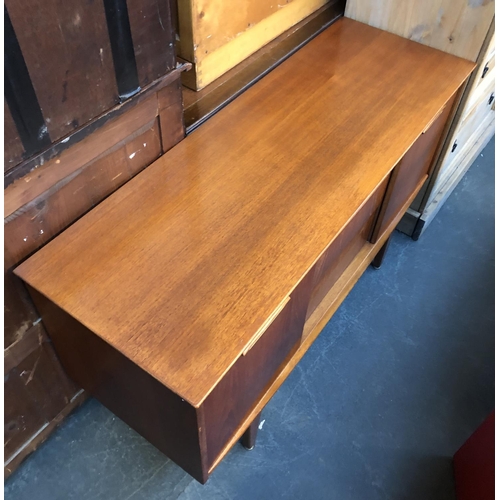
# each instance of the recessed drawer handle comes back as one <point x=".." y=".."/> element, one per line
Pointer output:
<point x="436" y="116"/>
<point x="265" y="325"/>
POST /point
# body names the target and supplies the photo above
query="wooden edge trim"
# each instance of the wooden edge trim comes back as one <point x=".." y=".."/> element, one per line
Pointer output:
<point x="39" y="437"/>
<point x="436" y="116"/>
<point x="311" y="331"/>
<point x="258" y="334"/>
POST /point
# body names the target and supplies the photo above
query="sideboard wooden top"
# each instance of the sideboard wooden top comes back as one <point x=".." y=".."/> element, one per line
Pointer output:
<point x="180" y="267"/>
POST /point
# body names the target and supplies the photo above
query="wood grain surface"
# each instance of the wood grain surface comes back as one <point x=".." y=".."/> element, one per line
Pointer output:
<point x="454" y="26"/>
<point x="413" y="168"/>
<point x="180" y="267"/>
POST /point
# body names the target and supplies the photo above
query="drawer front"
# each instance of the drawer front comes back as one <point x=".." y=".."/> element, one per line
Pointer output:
<point x="485" y="80"/>
<point x="238" y="392"/>
<point x="344" y="248"/>
<point x="466" y="135"/>
<point x="410" y="171"/>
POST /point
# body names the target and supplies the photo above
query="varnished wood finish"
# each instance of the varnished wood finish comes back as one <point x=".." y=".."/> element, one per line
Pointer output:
<point x="192" y="283"/>
<point x="344" y="248"/>
<point x="147" y="406"/>
<point x="454" y="26"/>
<point x="245" y="187"/>
<point x="202" y="104"/>
<point x="215" y="36"/>
<point x="250" y="436"/>
<point x="236" y="394"/>
<point x="412" y="168"/>
<point x="316" y="322"/>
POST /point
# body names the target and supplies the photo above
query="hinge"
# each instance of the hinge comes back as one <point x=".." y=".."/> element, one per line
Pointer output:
<point x="485" y="70"/>
<point x="455" y="144"/>
<point x="492" y="97"/>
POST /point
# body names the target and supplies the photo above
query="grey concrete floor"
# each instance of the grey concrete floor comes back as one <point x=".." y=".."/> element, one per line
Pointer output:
<point x="396" y="382"/>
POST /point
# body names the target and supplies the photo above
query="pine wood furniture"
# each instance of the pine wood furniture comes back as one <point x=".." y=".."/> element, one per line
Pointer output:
<point x="185" y="299"/>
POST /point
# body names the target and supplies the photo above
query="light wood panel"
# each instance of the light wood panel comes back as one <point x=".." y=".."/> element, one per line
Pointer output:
<point x="179" y="275"/>
<point x="454" y="26"/>
<point x="216" y="35"/>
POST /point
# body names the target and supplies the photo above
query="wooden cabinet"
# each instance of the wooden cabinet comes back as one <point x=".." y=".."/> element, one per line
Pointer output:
<point x="185" y="298"/>
<point x="92" y="96"/>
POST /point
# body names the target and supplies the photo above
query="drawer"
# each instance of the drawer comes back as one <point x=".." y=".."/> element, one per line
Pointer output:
<point x="242" y="386"/>
<point x="465" y="135"/>
<point x="485" y="81"/>
<point x="344" y="248"/>
<point x="410" y="171"/>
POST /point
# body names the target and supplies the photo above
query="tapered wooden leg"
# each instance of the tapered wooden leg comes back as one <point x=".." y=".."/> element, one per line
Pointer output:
<point x="379" y="258"/>
<point x="248" y="439"/>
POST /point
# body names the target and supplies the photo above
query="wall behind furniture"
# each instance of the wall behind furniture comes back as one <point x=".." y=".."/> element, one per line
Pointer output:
<point x="458" y="27"/>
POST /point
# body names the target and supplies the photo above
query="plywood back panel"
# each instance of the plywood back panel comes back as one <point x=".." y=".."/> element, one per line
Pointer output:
<point x="454" y="26"/>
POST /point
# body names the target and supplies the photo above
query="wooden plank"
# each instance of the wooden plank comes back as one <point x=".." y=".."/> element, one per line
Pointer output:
<point x="456" y="27"/>
<point x="58" y="147"/>
<point x="63" y="202"/>
<point x="17" y="352"/>
<point x="41" y="435"/>
<point x="227" y="233"/>
<point x="13" y="147"/>
<point x="66" y="48"/>
<point x="153" y="36"/>
<point x="36" y="390"/>
<point x="46" y="175"/>
<point x="218" y="36"/>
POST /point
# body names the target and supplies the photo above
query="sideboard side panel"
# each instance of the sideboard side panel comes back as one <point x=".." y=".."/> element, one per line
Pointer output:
<point x="151" y="409"/>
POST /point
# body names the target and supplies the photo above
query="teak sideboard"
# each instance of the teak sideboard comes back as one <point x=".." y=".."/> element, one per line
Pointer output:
<point x="184" y="300"/>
